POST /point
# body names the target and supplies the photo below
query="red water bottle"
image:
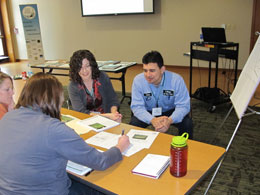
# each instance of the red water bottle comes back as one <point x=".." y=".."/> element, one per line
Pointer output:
<point x="179" y="155"/>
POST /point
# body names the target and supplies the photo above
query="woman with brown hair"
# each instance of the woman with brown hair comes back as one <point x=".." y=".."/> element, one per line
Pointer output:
<point x="35" y="145"/>
<point x="90" y="90"/>
<point x="6" y="94"/>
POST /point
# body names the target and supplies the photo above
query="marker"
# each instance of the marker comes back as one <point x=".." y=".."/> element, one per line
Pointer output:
<point x="123" y="132"/>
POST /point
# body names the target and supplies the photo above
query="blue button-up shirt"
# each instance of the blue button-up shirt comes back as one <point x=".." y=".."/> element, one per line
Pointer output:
<point x="171" y="94"/>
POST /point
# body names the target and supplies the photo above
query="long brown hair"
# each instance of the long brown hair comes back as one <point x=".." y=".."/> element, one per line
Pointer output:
<point x="42" y="91"/>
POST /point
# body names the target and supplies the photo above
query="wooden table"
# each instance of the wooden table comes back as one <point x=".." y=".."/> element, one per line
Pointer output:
<point x="118" y="179"/>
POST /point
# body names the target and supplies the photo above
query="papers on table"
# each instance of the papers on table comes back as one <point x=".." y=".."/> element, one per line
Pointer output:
<point x="98" y="123"/>
<point x="142" y="138"/>
<point x="103" y="139"/>
<point x="110" y="67"/>
<point x="108" y="140"/>
<point x="153" y="165"/>
<point x="79" y="129"/>
<point x="52" y="62"/>
<point x="103" y="63"/>
<point x="65" y="65"/>
<point x="139" y="140"/>
<point x="72" y="122"/>
<point x="67" y="118"/>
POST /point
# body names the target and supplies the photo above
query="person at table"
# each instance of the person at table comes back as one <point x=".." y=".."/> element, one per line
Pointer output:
<point x="6" y="94"/>
<point x="160" y="97"/>
<point x="90" y="90"/>
<point x="35" y="145"/>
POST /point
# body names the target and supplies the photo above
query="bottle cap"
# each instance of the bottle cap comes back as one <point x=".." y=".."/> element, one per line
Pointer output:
<point x="180" y="141"/>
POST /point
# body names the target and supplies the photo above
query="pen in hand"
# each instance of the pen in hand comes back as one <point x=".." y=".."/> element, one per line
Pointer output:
<point x="123" y="142"/>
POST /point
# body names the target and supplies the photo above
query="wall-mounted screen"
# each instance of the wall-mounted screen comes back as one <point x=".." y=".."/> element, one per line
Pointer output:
<point x="116" y="7"/>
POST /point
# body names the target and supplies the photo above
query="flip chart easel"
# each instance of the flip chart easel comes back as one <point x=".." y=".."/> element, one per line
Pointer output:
<point x="245" y="88"/>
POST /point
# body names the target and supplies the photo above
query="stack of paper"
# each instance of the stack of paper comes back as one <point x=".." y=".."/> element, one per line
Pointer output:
<point x="153" y="165"/>
<point x="139" y="140"/>
<point x="52" y="63"/>
<point x="102" y="63"/>
<point x="98" y="123"/>
<point x="72" y="122"/>
<point x="110" y="67"/>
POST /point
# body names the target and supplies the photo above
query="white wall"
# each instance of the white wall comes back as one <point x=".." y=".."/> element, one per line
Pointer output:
<point x="128" y="37"/>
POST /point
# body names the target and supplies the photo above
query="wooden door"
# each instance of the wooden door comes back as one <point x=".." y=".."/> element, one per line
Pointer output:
<point x="255" y="23"/>
<point x="3" y="50"/>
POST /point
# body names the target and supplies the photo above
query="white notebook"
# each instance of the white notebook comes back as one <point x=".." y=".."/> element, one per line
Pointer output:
<point x="98" y="123"/>
<point x="153" y="165"/>
<point x="77" y="168"/>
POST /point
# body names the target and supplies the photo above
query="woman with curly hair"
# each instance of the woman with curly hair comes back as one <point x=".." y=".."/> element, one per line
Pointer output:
<point x="90" y="90"/>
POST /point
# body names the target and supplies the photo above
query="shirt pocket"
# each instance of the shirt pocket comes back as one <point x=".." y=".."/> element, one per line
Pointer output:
<point x="169" y="101"/>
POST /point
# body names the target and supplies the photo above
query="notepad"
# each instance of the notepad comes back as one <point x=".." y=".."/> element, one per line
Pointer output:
<point x="77" y="168"/>
<point x="98" y="123"/>
<point x="153" y="165"/>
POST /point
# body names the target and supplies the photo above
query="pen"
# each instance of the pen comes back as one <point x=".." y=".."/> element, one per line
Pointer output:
<point x="123" y="132"/>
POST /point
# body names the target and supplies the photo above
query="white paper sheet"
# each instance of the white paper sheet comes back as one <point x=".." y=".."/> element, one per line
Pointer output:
<point x="108" y="140"/>
<point x="79" y="129"/>
<point x="103" y="139"/>
<point x="139" y="140"/>
<point x="142" y="138"/>
<point x="98" y="123"/>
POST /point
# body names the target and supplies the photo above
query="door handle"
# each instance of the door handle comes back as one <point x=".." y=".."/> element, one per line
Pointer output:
<point x="257" y="33"/>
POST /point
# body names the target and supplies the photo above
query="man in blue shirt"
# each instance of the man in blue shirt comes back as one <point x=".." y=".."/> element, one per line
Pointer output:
<point x="160" y="97"/>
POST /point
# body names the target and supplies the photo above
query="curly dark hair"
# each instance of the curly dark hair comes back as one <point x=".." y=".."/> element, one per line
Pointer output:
<point x="76" y="64"/>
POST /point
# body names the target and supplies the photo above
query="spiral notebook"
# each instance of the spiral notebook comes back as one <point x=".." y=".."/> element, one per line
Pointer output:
<point x="153" y="165"/>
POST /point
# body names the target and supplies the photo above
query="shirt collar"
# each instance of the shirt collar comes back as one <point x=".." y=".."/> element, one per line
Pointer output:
<point x="161" y="83"/>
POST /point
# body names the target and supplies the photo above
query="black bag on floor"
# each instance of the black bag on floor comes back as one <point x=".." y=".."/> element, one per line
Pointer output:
<point x="206" y="93"/>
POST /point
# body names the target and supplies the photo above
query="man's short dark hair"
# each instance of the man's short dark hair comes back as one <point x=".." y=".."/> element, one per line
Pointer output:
<point x="153" y="57"/>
